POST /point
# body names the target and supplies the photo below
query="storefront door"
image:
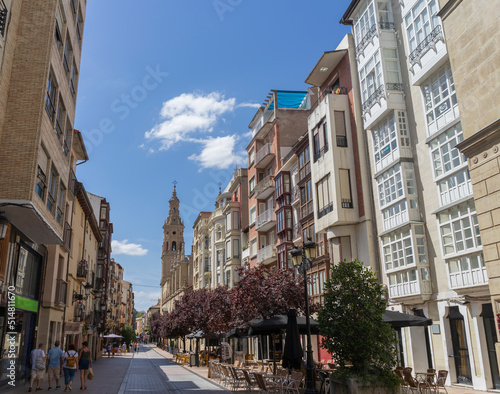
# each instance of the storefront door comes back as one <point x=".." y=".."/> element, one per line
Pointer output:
<point x="460" y="349"/>
<point x="491" y="338"/>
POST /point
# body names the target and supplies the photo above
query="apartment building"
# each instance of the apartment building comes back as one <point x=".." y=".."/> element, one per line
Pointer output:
<point x="429" y="240"/>
<point x="177" y="268"/>
<point x="476" y="84"/>
<point x="276" y="126"/>
<point x="81" y="295"/>
<point x="37" y="108"/>
<point x="202" y="272"/>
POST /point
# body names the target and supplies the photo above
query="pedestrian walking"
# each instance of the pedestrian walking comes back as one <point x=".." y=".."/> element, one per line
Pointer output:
<point x="84" y="363"/>
<point x="137" y="347"/>
<point x="38" y="364"/>
<point x="108" y="348"/>
<point x="70" y="366"/>
<point x="124" y="347"/>
<point x="55" y="358"/>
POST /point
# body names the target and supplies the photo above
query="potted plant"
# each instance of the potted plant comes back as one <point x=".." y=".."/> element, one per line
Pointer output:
<point x="350" y="322"/>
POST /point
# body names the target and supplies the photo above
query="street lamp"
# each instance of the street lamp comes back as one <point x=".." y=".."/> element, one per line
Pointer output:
<point x="302" y="260"/>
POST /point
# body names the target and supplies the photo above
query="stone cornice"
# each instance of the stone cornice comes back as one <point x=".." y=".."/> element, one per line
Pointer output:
<point x="481" y="141"/>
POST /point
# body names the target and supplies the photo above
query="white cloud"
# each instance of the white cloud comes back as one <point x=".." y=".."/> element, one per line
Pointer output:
<point x="143" y="300"/>
<point x="248" y="105"/>
<point x="219" y="153"/>
<point x="123" y="247"/>
<point x="187" y="114"/>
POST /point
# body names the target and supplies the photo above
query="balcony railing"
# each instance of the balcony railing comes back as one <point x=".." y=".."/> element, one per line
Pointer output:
<point x="432" y="38"/>
<point x="82" y="270"/>
<point x="61" y="289"/>
<point x="342" y="141"/>
<point x="366" y="39"/>
<point x="394" y="86"/>
<point x="374" y="97"/>
<point x="265" y="218"/>
<point x="266" y="253"/>
<point x="326" y="210"/>
<point x="265" y="187"/>
<point x="67" y="234"/>
<point x="320" y="153"/>
<point x="347" y="203"/>
<point x="386" y="25"/>
<point x="207" y="268"/>
<point x="262" y="153"/>
<point x="3" y="18"/>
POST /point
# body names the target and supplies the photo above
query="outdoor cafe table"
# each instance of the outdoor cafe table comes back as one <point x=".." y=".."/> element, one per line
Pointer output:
<point x="425" y="376"/>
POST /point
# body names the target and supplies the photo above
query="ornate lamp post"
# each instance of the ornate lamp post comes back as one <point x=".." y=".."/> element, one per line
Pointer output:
<point x="302" y="259"/>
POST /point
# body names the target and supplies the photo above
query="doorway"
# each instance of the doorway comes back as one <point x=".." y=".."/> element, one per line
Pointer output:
<point x="460" y="349"/>
<point x="491" y="339"/>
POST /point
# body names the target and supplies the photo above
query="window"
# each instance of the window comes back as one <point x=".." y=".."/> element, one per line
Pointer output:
<point x="282" y="185"/>
<point x="403" y="283"/>
<point x="391" y="67"/>
<point x="284" y="219"/>
<point x="467" y="271"/>
<point x="236" y="220"/>
<point x="60" y="119"/>
<point x="340" y="128"/>
<point x="445" y="155"/>
<point x="320" y="245"/>
<point x="385" y="138"/>
<point x="455" y="187"/>
<point x="67" y="137"/>
<point x="251" y="157"/>
<point x="397" y="249"/>
<point x="253" y="247"/>
<point x="459" y="228"/>
<point x="41" y="179"/>
<point x="51" y="198"/>
<point x="325" y="204"/>
<point x="251" y="185"/>
<point x="345" y="188"/>
<point x="228" y="221"/>
<point x="236" y="248"/>
<point x="174" y="245"/>
<point x="385" y="14"/>
<point x="371" y="76"/>
<point x="308" y="232"/>
<point x="57" y="33"/>
<point x="67" y="56"/>
<point x="253" y="215"/>
<point x="420" y="21"/>
<point x="73" y="4"/>
<point x="363" y="21"/>
<point x="79" y="25"/>
<point x="306" y="199"/>
<point x="440" y="98"/>
<point x="390" y="185"/>
<point x="50" y="100"/>
<point x="73" y="80"/>
<point x="61" y="201"/>
<point x="218" y="233"/>
<point x="228" y="250"/>
<point x="304" y="164"/>
<point x="320" y="140"/>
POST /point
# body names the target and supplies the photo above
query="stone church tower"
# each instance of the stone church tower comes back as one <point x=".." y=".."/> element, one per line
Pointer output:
<point x="173" y="239"/>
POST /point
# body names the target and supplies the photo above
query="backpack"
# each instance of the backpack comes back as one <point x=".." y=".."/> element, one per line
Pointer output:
<point x="71" y="361"/>
<point x="40" y="363"/>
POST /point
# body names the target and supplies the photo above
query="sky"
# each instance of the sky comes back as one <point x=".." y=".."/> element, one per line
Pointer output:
<point x="166" y="92"/>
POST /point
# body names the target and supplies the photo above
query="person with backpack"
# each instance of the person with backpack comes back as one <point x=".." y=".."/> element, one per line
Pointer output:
<point x="38" y="364"/>
<point x="55" y="357"/>
<point x="70" y="366"/>
<point x="84" y="363"/>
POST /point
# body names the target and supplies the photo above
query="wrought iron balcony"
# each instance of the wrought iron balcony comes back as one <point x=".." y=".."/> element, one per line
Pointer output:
<point x="366" y="39"/>
<point x="82" y="270"/>
<point x="3" y="18"/>
<point x="347" y="203"/>
<point x="342" y="141"/>
<point x="320" y="153"/>
<point x="432" y="38"/>
<point x="326" y="210"/>
<point x="386" y="25"/>
<point x="394" y="86"/>
<point x="374" y="97"/>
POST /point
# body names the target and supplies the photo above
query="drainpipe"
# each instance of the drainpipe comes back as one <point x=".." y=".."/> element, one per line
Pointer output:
<point x="366" y="177"/>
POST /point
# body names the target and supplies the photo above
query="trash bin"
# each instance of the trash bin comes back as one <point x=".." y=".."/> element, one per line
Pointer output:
<point x="194" y="360"/>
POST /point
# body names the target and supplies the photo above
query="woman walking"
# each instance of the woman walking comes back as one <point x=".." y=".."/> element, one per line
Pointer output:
<point x="70" y="366"/>
<point x="84" y="363"/>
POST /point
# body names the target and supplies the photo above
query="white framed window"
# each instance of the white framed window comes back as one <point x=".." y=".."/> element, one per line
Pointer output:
<point x="439" y="98"/>
<point x="253" y="214"/>
<point x="420" y="21"/>
<point x="363" y="21"/>
<point x="445" y="156"/>
<point x="236" y="220"/>
<point x="228" y="221"/>
<point x="390" y="185"/>
<point x="251" y="185"/>
<point x="236" y="248"/>
<point x="403" y="283"/>
<point x="384" y="13"/>
<point x="391" y="63"/>
<point x="371" y="76"/>
<point x="385" y="140"/>
<point x="228" y="250"/>
<point x="467" y="270"/>
<point x="459" y="229"/>
<point x="455" y="187"/>
<point x="253" y="247"/>
<point x="324" y="196"/>
<point x="397" y="249"/>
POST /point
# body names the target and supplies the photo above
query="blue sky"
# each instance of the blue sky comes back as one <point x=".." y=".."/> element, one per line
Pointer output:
<point x="167" y="90"/>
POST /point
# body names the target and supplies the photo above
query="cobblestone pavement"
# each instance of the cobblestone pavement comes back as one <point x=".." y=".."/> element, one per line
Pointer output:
<point x="153" y="370"/>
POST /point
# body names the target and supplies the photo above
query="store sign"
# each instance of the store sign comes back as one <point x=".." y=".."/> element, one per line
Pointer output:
<point x="26" y="304"/>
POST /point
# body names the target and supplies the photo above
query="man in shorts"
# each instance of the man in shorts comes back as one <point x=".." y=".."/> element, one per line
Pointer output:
<point x="37" y="373"/>
<point x="55" y="356"/>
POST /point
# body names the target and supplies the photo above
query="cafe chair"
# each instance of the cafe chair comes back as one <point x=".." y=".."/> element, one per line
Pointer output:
<point x="413" y="384"/>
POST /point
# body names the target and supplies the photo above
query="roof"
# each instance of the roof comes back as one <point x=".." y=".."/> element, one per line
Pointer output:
<point x="346" y="18"/>
<point x="79" y="146"/>
<point x="290" y="99"/>
<point x="324" y="67"/>
<point x="85" y="203"/>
